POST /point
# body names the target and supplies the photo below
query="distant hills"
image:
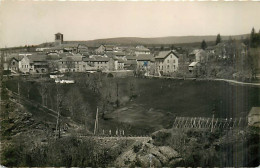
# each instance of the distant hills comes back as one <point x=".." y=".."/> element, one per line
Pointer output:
<point x="171" y="40"/>
<point x="157" y="40"/>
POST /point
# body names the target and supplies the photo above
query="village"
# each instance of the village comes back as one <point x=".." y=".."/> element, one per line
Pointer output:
<point x="64" y="57"/>
<point x="129" y="84"/>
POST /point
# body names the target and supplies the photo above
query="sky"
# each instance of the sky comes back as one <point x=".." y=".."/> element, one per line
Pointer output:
<point x="36" y="22"/>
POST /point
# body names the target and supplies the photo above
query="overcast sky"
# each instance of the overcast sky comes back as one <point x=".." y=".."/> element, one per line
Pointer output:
<point x="36" y="22"/>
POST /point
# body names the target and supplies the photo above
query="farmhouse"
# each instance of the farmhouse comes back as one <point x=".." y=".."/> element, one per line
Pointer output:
<point x="167" y="62"/>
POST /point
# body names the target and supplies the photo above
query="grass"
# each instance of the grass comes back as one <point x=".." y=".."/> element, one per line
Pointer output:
<point x="157" y="103"/>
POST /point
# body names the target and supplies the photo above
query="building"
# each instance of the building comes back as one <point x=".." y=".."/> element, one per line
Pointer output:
<point x="141" y="50"/>
<point x="104" y="48"/>
<point x="14" y="65"/>
<point x="58" y="38"/>
<point x="167" y="62"/>
<point x="130" y="65"/>
<point x="38" y="63"/>
<point x="24" y="65"/>
<point x="193" y="67"/>
<point x="83" y="49"/>
<point x="144" y="61"/>
<point x="73" y="63"/>
<point x="121" y="64"/>
<point x="101" y="63"/>
<point x="198" y="55"/>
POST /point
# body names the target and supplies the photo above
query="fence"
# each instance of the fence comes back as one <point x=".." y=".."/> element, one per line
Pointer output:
<point x="209" y="123"/>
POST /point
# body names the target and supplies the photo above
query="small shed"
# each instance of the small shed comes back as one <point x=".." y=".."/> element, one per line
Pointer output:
<point x="193" y="65"/>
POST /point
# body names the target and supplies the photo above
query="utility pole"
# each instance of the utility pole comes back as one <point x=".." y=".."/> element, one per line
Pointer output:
<point x="212" y="123"/>
<point x="19" y="92"/>
<point x="96" y="123"/>
<point x="117" y="103"/>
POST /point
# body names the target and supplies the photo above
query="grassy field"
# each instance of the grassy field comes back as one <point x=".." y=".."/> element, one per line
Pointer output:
<point x="157" y="101"/>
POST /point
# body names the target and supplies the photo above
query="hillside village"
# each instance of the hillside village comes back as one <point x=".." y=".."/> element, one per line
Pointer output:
<point x="61" y="57"/>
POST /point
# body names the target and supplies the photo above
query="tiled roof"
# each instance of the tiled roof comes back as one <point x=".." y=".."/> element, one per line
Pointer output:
<point x="120" y="61"/>
<point x="193" y="63"/>
<point x="96" y="59"/>
<point x="130" y="62"/>
<point x="37" y="58"/>
<point x="130" y="57"/>
<point x="145" y="57"/>
<point x="163" y="54"/>
<point x="72" y="58"/>
<point x="65" y="54"/>
<point x="142" y="49"/>
<point x="119" y="53"/>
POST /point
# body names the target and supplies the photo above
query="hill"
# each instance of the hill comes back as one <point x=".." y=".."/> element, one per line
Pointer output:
<point x="177" y="40"/>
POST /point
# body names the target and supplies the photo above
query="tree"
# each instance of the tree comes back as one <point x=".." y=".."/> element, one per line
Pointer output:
<point x="218" y="40"/>
<point x="203" y="45"/>
<point x="254" y="39"/>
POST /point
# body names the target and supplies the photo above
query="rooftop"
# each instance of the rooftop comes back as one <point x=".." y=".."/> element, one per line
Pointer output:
<point x="164" y="54"/>
<point x="145" y="57"/>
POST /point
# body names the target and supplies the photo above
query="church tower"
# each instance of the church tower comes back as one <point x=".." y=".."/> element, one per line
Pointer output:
<point x="58" y="38"/>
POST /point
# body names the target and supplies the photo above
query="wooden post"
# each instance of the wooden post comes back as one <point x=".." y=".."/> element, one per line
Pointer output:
<point x="96" y="123"/>
<point x="216" y="123"/>
<point x="212" y="123"/>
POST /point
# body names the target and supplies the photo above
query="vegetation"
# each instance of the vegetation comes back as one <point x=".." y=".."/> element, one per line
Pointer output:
<point x="219" y="148"/>
<point x="218" y="40"/>
<point x="203" y="45"/>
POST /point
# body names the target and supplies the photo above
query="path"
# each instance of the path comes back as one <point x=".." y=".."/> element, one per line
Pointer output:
<point x="209" y="79"/>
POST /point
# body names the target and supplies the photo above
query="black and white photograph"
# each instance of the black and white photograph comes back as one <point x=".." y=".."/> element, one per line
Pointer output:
<point x="129" y="83"/>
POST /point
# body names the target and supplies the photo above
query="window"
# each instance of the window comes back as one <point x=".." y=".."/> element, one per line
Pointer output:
<point x="168" y="66"/>
<point x="173" y="61"/>
<point x="13" y="63"/>
<point x="174" y="66"/>
<point x="168" y="61"/>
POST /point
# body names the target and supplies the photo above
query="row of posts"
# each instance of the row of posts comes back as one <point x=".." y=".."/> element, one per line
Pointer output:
<point x="110" y="133"/>
<point x="186" y="122"/>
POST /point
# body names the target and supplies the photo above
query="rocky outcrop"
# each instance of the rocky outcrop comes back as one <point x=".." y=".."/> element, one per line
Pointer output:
<point x="146" y="154"/>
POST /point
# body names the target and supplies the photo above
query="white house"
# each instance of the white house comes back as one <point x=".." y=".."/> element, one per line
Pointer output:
<point x="167" y="62"/>
<point x="24" y="64"/>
